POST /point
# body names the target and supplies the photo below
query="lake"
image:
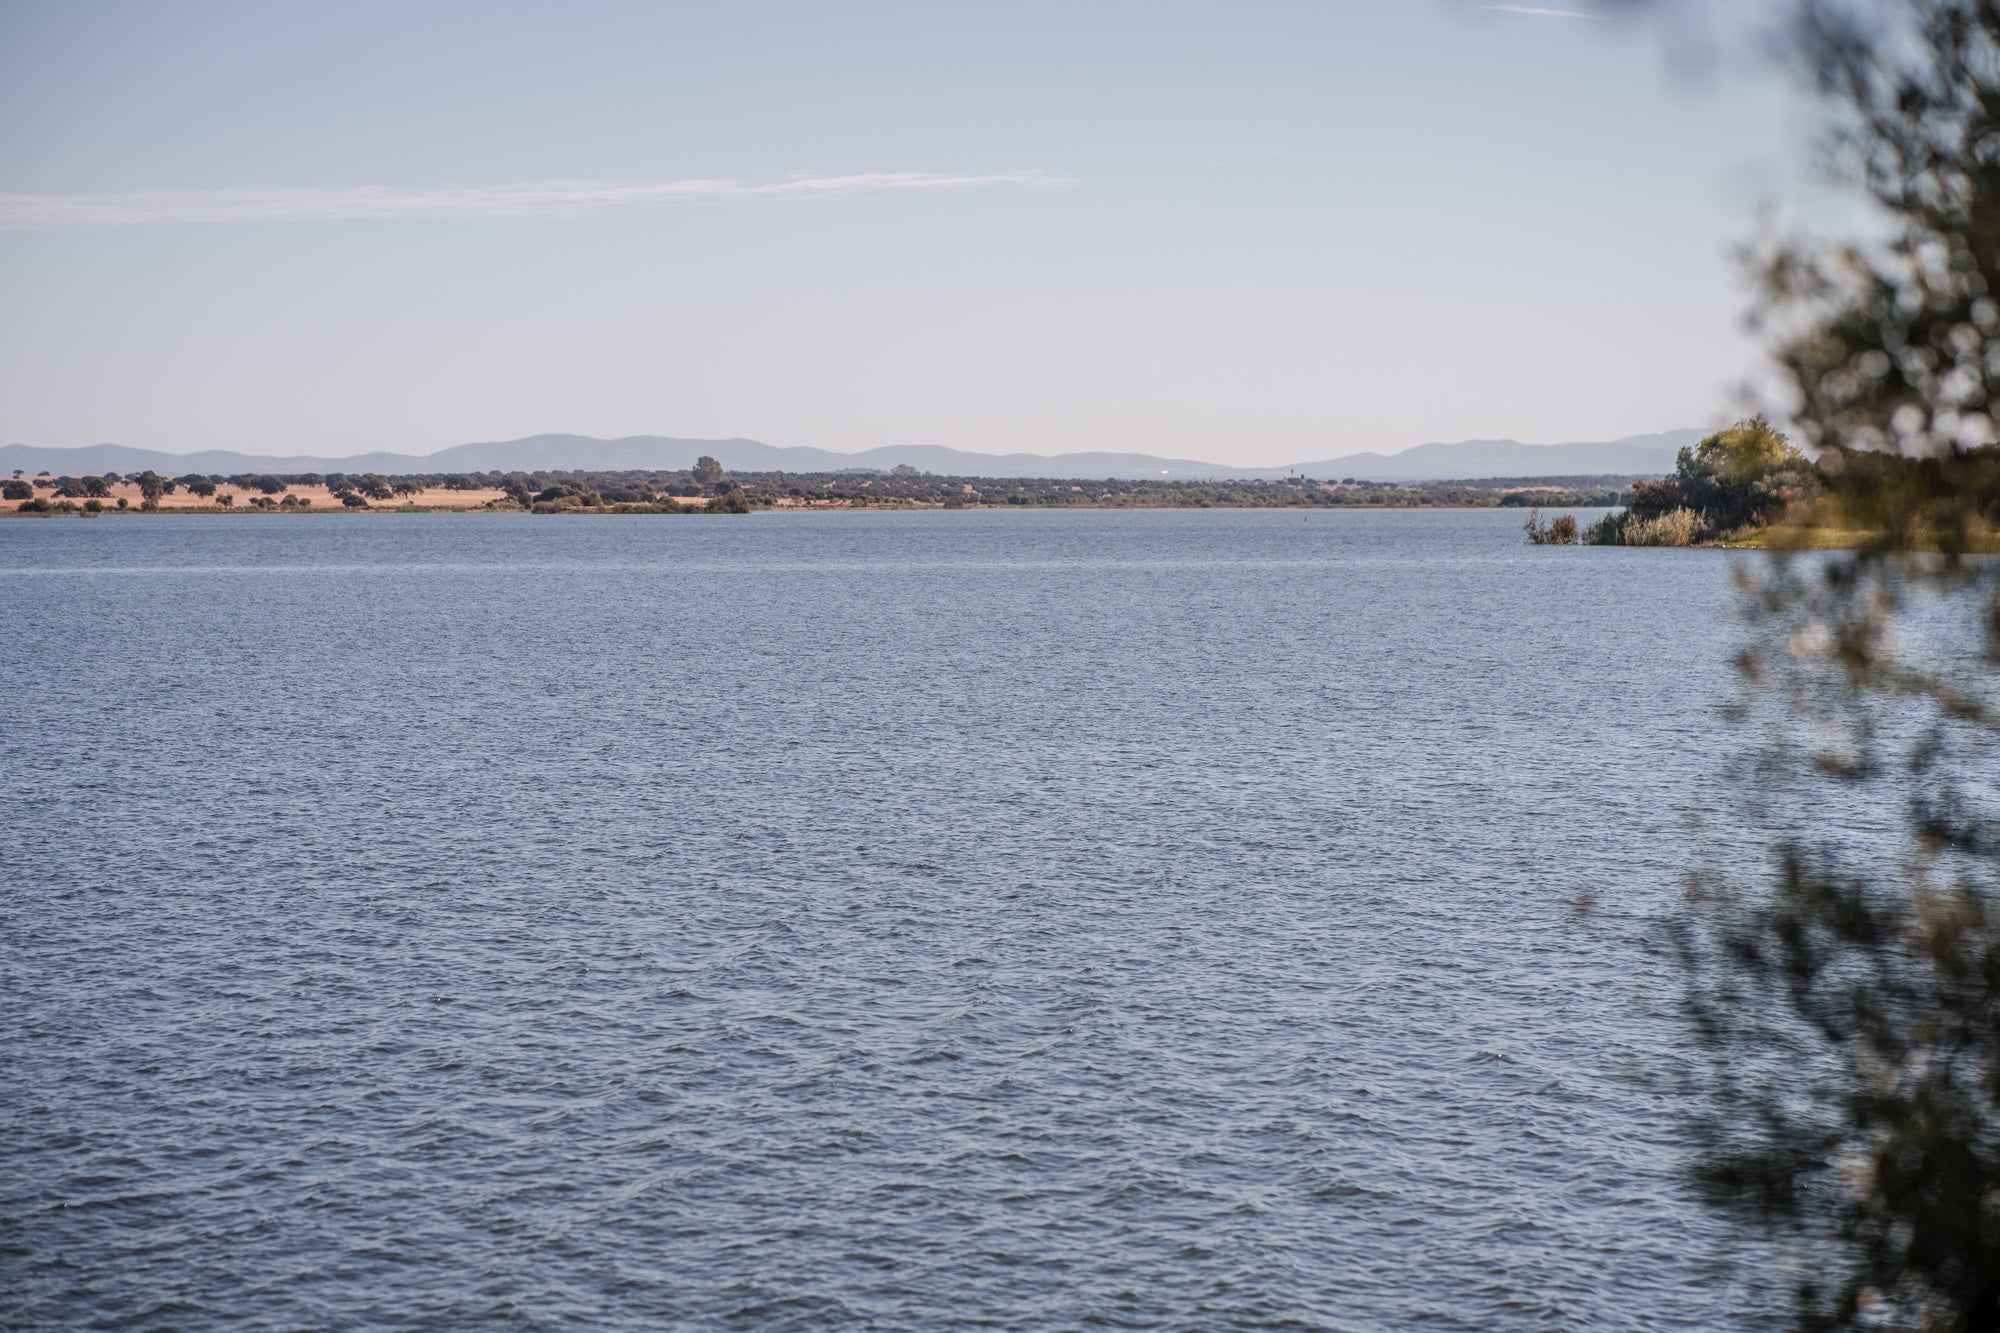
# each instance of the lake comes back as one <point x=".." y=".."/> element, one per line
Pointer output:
<point x="927" y="920"/>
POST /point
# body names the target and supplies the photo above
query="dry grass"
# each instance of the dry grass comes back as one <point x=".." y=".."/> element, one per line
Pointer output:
<point x="435" y="497"/>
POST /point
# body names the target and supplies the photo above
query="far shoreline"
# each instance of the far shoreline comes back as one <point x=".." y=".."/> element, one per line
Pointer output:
<point x="123" y="498"/>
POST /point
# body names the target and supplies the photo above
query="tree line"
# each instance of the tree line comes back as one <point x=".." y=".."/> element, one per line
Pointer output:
<point x="708" y="485"/>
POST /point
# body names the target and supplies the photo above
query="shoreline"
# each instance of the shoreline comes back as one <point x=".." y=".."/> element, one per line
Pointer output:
<point x="318" y="499"/>
<point x="699" y="507"/>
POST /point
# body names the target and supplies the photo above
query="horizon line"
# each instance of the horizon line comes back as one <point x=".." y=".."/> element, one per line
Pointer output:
<point x="744" y="439"/>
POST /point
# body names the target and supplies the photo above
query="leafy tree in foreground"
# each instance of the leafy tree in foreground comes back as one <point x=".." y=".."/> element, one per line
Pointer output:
<point x="1852" y="1008"/>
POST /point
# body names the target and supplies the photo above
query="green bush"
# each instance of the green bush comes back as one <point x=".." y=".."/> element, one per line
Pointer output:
<point x="1736" y="479"/>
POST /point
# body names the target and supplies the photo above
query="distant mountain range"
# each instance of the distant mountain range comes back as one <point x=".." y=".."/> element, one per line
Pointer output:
<point x="1637" y="455"/>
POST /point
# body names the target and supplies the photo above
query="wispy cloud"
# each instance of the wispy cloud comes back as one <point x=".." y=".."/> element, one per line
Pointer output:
<point x="1540" y="12"/>
<point x="140" y="208"/>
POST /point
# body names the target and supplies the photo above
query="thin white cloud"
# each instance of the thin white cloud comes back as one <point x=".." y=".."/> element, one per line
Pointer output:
<point x="1537" y="11"/>
<point x="140" y="208"/>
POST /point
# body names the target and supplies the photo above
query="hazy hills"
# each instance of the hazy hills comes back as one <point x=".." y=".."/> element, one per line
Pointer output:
<point x="1635" y="455"/>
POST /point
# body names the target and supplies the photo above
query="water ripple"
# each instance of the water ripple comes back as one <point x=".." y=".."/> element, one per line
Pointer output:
<point x="890" y="921"/>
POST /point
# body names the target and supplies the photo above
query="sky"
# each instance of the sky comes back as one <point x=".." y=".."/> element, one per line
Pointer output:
<point x="1249" y="233"/>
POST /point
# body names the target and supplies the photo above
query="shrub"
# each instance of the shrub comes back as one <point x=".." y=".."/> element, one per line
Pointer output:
<point x="35" y="506"/>
<point x="93" y="505"/>
<point x="17" y="490"/>
<point x="1559" y="532"/>
<point x="730" y="502"/>
<point x="563" y="497"/>
<point x="353" y="501"/>
<point x="1679" y="528"/>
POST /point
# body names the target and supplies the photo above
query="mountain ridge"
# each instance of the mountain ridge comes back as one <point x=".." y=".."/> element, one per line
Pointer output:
<point x="1635" y="455"/>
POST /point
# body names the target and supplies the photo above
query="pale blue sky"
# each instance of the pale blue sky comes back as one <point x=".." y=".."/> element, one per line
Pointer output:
<point x="1246" y="232"/>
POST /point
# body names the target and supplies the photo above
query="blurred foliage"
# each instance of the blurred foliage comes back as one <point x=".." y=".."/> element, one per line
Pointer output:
<point x="1852" y="1007"/>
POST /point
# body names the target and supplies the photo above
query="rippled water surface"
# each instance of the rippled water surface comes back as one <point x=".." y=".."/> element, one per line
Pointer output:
<point x="899" y="921"/>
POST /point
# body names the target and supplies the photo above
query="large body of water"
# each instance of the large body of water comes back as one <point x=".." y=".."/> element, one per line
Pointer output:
<point x="889" y="921"/>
